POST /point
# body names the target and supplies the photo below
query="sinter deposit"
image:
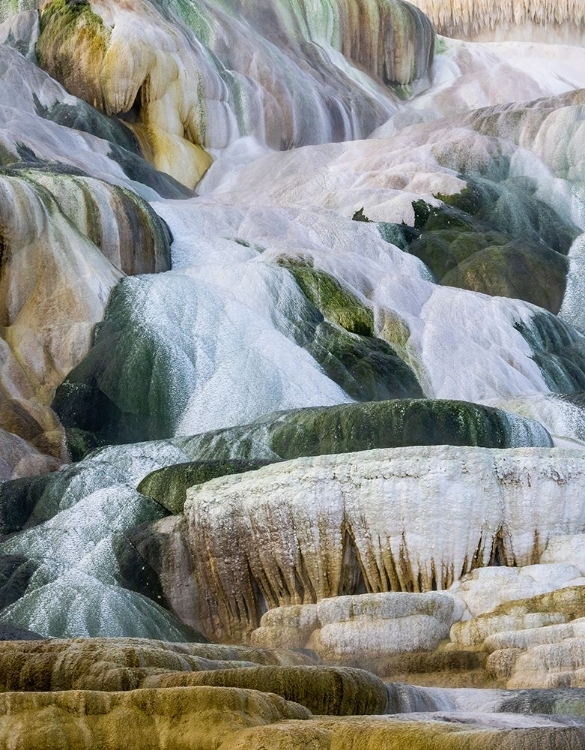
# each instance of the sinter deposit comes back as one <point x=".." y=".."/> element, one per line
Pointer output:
<point x="292" y="374"/>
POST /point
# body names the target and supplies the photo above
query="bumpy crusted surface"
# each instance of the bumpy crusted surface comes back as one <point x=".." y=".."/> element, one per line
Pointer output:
<point x="323" y="690"/>
<point x="173" y="718"/>
<point x="205" y="718"/>
<point x="532" y="643"/>
<point x="308" y="529"/>
<point x="119" y="664"/>
<point x="530" y="20"/>
<point x="385" y="734"/>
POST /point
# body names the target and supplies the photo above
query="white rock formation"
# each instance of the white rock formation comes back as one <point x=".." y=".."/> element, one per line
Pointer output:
<point x="309" y="529"/>
<point x="532" y="651"/>
<point x="552" y="664"/>
<point x="532" y="20"/>
<point x="467" y="76"/>
<point x="485" y="588"/>
<point x="567" y="550"/>
<point x="530" y="637"/>
<point x="293" y="624"/>
<point x="378" y="625"/>
<point x="362" y="627"/>
<point x="230" y="314"/>
<point x="475" y="632"/>
<point x="538" y="642"/>
<point x="250" y="71"/>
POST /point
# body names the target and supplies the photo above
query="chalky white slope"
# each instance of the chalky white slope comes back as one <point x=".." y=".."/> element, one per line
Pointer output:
<point x="466" y="76"/>
<point x="420" y="319"/>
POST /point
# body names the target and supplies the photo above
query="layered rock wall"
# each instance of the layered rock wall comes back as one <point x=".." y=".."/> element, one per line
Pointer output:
<point x="561" y="22"/>
<point x="305" y="530"/>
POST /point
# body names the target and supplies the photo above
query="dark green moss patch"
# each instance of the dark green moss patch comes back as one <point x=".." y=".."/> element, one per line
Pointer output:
<point x="169" y="486"/>
<point x="17" y="501"/>
<point x="532" y="273"/>
<point x="336" y="303"/>
<point x="360" y="216"/>
<point x="496" y="238"/>
<point x="390" y="424"/>
<point x="81" y="442"/>
<point x="400" y="235"/>
<point x="15" y="574"/>
<point x="367" y="368"/>
<point x="341" y="337"/>
<point x="349" y="428"/>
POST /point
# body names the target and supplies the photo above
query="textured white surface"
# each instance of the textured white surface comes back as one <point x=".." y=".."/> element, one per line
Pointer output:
<point x="78" y="605"/>
<point x="312" y="528"/>
<point x="573" y="308"/>
<point x="543" y="141"/>
<point x="226" y="255"/>
<point x="531" y="637"/>
<point x="561" y="21"/>
<point x="567" y="550"/>
<point x="552" y="665"/>
<point x="375" y="625"/>
<point x="486" y="588"/>
<point x="388" y="606"/>
<point x="86" y="530"/>
<point x="475" y="632"/>
<point x="280" y="535"/>
<point x="226" y="337"/>
<point x="468" y="76"/>
<point x="364" y="626"/>
<point x="365" y="639"/>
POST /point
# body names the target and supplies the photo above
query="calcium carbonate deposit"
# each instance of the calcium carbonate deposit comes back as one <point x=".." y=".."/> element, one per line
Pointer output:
<point x="292" y="374"/>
